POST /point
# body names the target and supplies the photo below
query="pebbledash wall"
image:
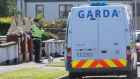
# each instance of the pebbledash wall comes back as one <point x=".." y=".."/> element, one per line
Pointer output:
<point x="52" y="8"/>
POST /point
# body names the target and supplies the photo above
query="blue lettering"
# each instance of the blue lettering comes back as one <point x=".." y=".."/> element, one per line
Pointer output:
<point x="81" y="14"/>
<point x="115" y="13"/>
<point x="97" y="13"/>
<point x="106" y="13"/>
<point x="90" y="14"/>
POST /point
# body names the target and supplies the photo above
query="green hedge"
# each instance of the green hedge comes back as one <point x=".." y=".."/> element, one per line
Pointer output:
<point x="5" y="23"/>
<point x="47" y="35"/>
<point x="4" y="28"/>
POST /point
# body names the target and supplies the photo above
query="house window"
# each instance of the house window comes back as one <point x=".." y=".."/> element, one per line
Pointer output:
<point x="40" y="11"/>
<point x="64" y="9"/>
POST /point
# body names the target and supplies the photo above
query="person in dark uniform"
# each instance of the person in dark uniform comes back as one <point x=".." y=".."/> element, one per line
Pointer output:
<point x="37" y="33"/>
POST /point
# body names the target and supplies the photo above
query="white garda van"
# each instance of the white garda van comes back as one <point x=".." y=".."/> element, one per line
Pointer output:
<point x="100" y="41"/>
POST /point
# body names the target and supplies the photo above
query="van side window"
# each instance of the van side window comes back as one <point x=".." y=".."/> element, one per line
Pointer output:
<point x="66" y="38"/>
<point x="66" y="30"/>
<point x="131" y="30"/>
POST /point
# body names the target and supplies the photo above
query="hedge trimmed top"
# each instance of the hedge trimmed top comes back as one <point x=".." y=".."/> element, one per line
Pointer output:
<point x="8" y="20"/>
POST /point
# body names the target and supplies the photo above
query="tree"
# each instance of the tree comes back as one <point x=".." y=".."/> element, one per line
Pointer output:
<point x="8" y="8"/>
<point x="4" y="11"/>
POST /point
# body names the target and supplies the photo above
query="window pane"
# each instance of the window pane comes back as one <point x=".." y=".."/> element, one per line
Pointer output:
<point x="64" y="10"/>
<point x="39" y="11"/>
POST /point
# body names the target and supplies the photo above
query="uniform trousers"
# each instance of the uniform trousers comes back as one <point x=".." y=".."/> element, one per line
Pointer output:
<point x="36" y="44"/>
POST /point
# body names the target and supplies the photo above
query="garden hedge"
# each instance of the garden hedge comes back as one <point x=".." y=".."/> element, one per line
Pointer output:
<point x="5" y="25"/>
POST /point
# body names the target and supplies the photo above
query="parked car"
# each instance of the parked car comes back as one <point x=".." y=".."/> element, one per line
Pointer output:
<point x="137" y="32"/>
<point x="138" y="51"/>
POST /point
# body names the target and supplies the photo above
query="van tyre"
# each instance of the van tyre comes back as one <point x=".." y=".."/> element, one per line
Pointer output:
<point x="74" y="76"/>
<point x="71" y="76"/>
<point x="129" y="75"/>
<point x="135" y="73"/>
<point x="132" y="74"/>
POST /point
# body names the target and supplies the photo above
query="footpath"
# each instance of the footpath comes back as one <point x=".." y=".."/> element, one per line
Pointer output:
<point x="43" y="65"/>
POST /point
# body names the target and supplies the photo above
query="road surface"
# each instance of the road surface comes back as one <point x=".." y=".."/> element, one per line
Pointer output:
<point x="111" y="77"/>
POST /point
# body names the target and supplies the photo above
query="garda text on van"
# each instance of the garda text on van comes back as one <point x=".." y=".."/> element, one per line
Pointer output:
<point x="83" y="14"/>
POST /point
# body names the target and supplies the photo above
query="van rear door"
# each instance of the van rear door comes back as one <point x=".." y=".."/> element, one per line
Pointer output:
<point x="100" y="41"/>
<point x="112" y="37"/>
<point x="84" y="35"/>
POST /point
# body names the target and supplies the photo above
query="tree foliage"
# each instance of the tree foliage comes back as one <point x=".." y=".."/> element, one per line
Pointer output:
<point x="8" y="8"/>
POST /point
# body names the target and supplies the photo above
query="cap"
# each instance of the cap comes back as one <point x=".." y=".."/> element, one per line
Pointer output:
<point x="36" y="20"/>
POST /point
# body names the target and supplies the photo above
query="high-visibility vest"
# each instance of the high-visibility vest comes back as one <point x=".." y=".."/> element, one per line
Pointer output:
<point x="37" y="32"/>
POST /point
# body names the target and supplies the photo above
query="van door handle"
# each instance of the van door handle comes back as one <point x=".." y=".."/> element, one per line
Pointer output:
<point x="70" y="31"/>
<point x="126" y="30"/>
<point x="104" y="51"/>
<point x="115" y="44"/>
<point x="92" y="18"/>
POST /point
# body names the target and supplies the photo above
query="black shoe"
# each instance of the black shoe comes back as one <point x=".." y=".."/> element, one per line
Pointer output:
<point x="38" y="61"/>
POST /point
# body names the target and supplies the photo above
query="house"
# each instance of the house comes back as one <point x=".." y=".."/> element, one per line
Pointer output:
<point x="54" y="9"/>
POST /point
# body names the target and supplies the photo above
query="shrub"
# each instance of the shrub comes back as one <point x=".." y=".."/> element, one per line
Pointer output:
<point x="47" y="35"/>
<point x="8" y="20"/>
<point x="5" y="25"/>
<point x="59" y="23"/>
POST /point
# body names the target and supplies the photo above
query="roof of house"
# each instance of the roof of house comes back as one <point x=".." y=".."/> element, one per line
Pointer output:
<point x="68" y="0"/>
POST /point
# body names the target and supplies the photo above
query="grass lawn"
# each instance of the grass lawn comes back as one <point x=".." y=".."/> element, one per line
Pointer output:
<point x="57" y="64"/>
<point x="33" y="73"/>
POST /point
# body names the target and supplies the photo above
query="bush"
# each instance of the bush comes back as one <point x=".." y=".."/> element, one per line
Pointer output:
<point x="59" y="23"/>
<point x="47" y="35"/>
<point x="5" y="25"/>
<point x="8" y="20"/>
<point x="4" y="28"/>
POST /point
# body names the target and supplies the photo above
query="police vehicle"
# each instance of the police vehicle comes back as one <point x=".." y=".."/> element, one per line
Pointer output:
<point x="100" y="41"/>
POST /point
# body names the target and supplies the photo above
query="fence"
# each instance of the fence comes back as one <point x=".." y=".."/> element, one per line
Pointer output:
<point x="54" y="47"/>
<point x="25" y="45"/>
<point x="9" y="53"/>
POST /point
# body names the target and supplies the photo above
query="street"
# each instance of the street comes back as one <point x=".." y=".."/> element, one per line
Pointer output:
<point x="114" y="77"/>
<point x="111" y="77"/>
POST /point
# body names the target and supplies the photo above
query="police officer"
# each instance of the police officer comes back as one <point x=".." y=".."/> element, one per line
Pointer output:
<point x="37" y="33"/>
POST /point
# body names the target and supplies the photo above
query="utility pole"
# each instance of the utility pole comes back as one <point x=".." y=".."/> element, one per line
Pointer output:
<point x="135" y="15"/>
<point x="21" y="8"/>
